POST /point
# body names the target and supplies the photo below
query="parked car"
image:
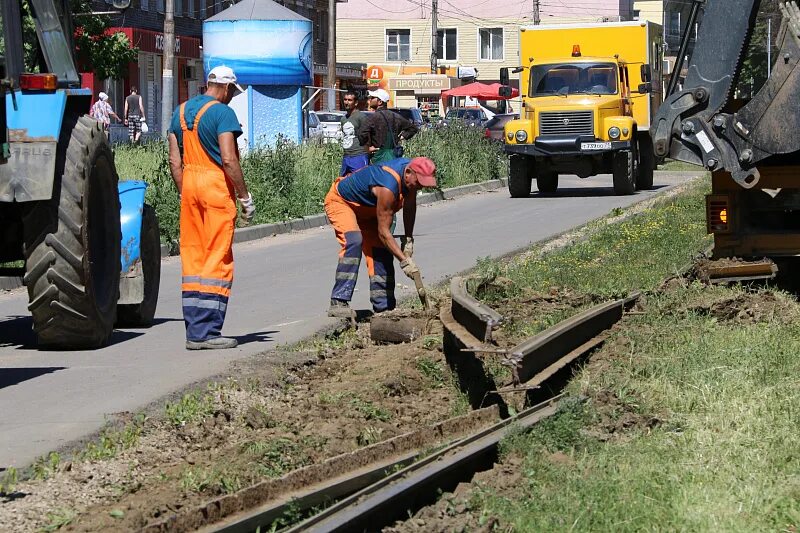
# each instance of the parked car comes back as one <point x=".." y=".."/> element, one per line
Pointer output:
<point x="496" y="125"/>
<point x="411" y="113"/>
<point x="472" y="116"/>
<point x="331" y="122"/>
<point x="315" y="128"/>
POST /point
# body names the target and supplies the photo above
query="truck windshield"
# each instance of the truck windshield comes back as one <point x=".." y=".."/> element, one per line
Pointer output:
<point x="573" y="78"/>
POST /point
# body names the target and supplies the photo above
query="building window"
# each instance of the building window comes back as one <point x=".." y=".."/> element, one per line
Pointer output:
<point x="674" y="24"/>
<point x="178" y="8"/>
<point x="398" y="45"/>
<point x="144" y="5"/>
<point x="446" y="44"/>
<point x="190" y="8"/>
<point x="160" y="6"/>
<point x="491" y="43"/>
<point x="203" y="9"/>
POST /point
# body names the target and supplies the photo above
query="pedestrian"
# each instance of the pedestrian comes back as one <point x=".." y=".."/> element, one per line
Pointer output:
<point x="204" y="161"/>
<point x="384" y="130"/>
<point x="134" y="114"/>
<point x="355" y="156"/>
<point x="102" y="111"/>
<point x="360" y="208"/>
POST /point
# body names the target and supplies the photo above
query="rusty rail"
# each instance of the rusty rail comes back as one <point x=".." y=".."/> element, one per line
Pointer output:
<point x="478" y="318"/>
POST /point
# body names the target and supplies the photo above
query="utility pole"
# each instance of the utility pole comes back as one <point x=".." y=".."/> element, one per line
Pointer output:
<point x="537" y="18"/>
<point x="435" y="36"/>
<point x="169" y="60"/>
<point x="769" y="47"/>
<point x="331" y="54"/>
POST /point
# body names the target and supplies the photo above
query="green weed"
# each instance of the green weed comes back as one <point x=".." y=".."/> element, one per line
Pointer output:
<point x="369" y="435"/>
<point x="432" y="370"/>
<point x="192" y="407"/>
<point x="219" y="481"/>
<point x="9" y="482"/>
<point x="58" y="519"/>
<point x="369" y="409"/>
<point x="45" y="466"/>
<point x="113" y="441"/>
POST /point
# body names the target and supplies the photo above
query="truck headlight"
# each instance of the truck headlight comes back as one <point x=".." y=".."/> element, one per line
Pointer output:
<point x="613" y="132"/>
<point x="521" y="136"/>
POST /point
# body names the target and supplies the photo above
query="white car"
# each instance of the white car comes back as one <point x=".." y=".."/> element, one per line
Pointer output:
<point x="328" y="125"/>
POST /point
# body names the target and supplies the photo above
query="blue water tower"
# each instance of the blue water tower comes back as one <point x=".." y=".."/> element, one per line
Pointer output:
<point x="269" y="48"/>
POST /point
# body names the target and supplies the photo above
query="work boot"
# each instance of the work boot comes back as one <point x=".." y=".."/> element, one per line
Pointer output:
<point x="340" y="309"/>
<point x="214" y="343"/>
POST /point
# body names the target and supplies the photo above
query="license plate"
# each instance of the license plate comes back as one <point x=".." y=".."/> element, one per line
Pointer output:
<point x="595" y="146"/>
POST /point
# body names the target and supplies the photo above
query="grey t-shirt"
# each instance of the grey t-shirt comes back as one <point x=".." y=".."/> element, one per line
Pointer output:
<point x="350" y="127"/>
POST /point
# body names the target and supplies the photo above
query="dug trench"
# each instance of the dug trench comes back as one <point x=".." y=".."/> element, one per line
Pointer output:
<point x="333" y="396"/>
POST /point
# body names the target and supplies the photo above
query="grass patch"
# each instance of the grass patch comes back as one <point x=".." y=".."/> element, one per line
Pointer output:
<point x="680" y="166"/>
<point x="210" y="480"/>
<point x="685" y="421"/>
<point x="290" y="181"/>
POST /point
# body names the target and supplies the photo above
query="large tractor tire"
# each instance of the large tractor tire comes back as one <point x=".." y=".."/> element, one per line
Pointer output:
<point x="547" y="182"/>
<point x="72" y="244"/>
<point x="519" y="176"/>
<point x="625" y="172"/>
<point x="141" y="314"/>
<point x="647" y="163"/>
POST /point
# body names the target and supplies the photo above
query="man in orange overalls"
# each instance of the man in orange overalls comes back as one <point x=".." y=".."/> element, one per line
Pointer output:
<point x="204" y="161"/>
<point x="360" y="207"/>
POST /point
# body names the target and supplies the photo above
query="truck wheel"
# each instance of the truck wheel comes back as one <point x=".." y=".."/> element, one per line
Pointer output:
<point x="647" y="164"/>
<point x="72" y="247"/>
<point x="519" y="176"/>
<point x="547" y="182"/>
<point x="141" y="314"/>
<point x="624" y="172"/>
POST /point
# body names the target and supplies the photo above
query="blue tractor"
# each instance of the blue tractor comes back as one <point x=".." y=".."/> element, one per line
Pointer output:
<point x="89" y="242"/>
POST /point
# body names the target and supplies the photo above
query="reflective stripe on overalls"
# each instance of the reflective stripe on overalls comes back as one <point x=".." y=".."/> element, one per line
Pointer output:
<point x="356" y="228"/>
<point x="208" y="213"/>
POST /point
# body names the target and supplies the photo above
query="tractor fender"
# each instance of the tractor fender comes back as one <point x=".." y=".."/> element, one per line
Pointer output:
<point x="131" y="200"/>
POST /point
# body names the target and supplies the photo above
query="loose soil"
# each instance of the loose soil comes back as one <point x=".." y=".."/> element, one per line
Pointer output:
<point x="257" y="427"/>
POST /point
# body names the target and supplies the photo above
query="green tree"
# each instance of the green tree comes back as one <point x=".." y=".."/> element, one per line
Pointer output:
<point x="106" y="54"/>
<point x="754" y="67"/>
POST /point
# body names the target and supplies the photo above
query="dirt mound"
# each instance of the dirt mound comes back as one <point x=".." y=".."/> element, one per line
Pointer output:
<point x="747" y="308"/>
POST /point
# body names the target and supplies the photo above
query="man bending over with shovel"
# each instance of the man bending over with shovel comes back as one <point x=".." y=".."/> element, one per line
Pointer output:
<point x="360" y="208"/>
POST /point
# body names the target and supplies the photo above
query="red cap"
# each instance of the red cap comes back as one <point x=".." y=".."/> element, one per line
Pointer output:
<point x="425" y="169"/>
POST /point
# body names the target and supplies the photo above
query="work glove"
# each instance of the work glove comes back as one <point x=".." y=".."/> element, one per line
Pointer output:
<point x="407" y="246"/>
<point x="409" y="267"/>
<point x="248" y="208"/>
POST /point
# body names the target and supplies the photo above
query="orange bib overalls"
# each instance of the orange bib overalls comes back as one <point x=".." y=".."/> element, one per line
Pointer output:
<point x="356" y="228"/>
<point x="208" y="214"/>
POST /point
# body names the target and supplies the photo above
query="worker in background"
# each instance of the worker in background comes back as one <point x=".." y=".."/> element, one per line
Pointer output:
<point x="384" y="130"/>
<point x="360" y="208"/>
<point x="355" y="156"/>
<point x="204" y="161"/>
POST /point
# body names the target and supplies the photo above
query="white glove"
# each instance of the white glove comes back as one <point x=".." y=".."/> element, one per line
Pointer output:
<point x="407" y="246"/>
<point x="248" y="208"/>
<point x="409" y="267"/>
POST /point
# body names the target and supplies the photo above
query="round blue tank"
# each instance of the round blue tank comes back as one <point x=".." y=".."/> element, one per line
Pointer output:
<point x="260" y="52"/>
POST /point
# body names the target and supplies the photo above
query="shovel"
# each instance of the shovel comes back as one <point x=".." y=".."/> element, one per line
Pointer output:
<point x="423" y="296"/>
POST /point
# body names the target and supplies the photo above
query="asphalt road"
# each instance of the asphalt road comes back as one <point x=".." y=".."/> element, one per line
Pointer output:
<point x="280" y="295"/>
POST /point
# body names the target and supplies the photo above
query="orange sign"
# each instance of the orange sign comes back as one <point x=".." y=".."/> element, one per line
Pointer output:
<point x="374" y="75"/>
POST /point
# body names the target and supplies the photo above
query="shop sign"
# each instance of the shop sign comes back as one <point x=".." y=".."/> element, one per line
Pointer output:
<point x="160" y="43"/>
<point x="419" y="83"/>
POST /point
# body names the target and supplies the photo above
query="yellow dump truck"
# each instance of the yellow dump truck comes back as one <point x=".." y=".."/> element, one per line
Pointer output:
<point x="589" y="92"/>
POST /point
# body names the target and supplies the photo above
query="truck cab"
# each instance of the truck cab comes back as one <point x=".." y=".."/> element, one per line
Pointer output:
<point x="584" y="114"/>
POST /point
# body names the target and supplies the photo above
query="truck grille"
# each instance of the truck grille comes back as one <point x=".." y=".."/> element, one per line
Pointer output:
<point x="566" y="123"/>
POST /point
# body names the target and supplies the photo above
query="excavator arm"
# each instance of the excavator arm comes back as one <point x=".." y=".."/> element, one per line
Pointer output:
<point x="693" y="124"/>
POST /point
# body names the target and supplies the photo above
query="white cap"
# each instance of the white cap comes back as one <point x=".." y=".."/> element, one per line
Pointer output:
<point x="380" y="93"/>
<point x="103" y="96"/>
<point x="223" y="74"/>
